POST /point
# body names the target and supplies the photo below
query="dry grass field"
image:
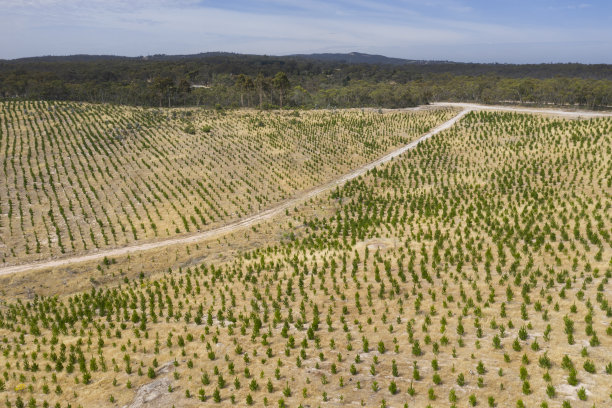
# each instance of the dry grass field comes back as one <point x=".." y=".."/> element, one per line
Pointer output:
<point x="473" y="270"/>
<point x="78" y="177"/>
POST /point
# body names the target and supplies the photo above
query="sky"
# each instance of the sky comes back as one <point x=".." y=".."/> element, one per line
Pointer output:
<point x="504" y="31"/>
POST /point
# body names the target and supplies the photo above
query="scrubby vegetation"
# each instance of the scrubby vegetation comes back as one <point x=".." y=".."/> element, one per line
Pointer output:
<point x="76" y="177"/>
<point x="472" y="271"/>
<point x="233" y="80"/>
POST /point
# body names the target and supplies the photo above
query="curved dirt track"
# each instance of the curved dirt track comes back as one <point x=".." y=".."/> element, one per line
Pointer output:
<point x="269" y="213"/>
<point x="231" y="227"/>
<point x="519" y="109"/>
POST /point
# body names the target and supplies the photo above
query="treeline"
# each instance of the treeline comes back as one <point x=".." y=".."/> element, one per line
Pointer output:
<point x="232" y="80"/>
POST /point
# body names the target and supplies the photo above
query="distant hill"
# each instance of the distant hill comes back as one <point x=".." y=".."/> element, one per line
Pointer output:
<point x="357" y="58"/>
<point x="343" y="58"/>
<point x="70" y="58"/>
<point x="94" y="58"/>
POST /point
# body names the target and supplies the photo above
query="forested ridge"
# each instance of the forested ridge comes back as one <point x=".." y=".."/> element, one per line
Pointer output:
<point x="322" y="80"/>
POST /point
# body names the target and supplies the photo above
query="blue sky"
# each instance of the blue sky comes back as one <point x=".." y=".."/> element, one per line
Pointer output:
<point x="517" y="31"/>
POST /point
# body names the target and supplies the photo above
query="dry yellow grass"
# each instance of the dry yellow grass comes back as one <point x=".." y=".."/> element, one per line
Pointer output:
<point x="77" y="177"/>
<point x="488" y="244"/>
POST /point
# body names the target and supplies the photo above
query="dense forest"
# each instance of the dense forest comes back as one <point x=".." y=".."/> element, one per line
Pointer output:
<point x="322" y="80"/>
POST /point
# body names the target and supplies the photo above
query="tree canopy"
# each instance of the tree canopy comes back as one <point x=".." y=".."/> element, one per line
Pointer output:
<point x="233" y="80"/>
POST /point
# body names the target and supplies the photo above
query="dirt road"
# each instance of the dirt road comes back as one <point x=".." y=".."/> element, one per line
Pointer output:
<point x="279" y="208"/>
<point x="234" y="226"/>
<point x="519" y="109"/>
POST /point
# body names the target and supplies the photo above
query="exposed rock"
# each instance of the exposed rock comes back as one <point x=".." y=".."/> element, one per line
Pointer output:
<point x="155" y="394"/>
